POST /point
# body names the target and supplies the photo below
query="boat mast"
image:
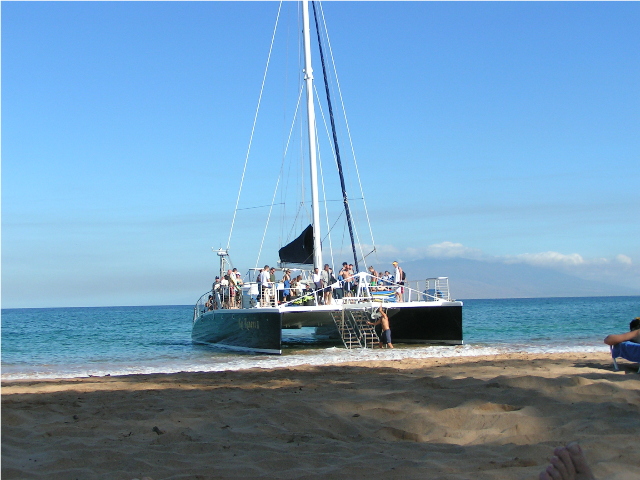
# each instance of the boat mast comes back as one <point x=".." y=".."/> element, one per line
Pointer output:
<point x="345" y="199"/>
<point x="311" y="121"/>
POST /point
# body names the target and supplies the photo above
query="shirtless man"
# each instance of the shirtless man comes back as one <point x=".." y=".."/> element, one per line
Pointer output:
<point x="385" y="337"/>
<point x="568" y="463"/>
<point x="633" y="335"/>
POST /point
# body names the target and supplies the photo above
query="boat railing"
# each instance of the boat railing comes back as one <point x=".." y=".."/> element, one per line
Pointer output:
<point x="384" y="290"/>
<point x="201" y="305"/>
<point x="367" y="288"/>
<point x="305" y="296"/>
<point x="222" y="298"/>
<point x="438" y="288"/>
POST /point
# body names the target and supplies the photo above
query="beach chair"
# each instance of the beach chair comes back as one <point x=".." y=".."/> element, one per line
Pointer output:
<point x="627" y="350"/>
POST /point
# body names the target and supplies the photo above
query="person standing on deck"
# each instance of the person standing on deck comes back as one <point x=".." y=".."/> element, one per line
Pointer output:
<point x="343" y="271"/>
<point x="238" y="277"/>
<point x="265" y="291"/>
<point x="373" y="280"/>
<point x="316" y="278"/>
<point x="399" y="281"/>
<point x="354" y="279"/>
<point x="286" y="286"/>
<point x="326" y="284"/>
<point x="233" y="288"/>
<point x="224" y="290"/>
<point x="215" y="288"/>
<point x="348" y="281"/>
<point x="239" y="284"/>
<point x="342" y="277"/>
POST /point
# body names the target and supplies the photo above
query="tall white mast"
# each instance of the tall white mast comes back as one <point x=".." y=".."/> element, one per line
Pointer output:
<point x="311" y="117"/>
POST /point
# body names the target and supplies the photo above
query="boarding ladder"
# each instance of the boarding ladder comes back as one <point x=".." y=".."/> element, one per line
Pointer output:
<point x="353" y="328"/>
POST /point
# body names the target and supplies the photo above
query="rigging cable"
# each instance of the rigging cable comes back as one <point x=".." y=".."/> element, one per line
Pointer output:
<point x="335" y="141"/>
<point x="286" y="188"/>
<point x="335" y="72"/>
<point x="325" y="200"/>
<point x="275" y="191"/>
<point x="253" y="128"/>
<point x="324" y="190"/>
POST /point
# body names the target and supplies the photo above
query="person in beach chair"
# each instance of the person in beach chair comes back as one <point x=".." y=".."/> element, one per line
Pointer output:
<point x="626" y="345"/>
<point x="568" y="463"/>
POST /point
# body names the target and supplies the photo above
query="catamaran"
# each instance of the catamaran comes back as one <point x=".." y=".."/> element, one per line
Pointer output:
<point x="249" y="313"/>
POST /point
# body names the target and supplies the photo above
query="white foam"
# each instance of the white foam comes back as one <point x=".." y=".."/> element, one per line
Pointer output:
<point x="315" y="357"/>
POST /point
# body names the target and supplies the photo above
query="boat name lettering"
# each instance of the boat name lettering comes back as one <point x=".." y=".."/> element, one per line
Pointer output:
<point x="249" y="324"/>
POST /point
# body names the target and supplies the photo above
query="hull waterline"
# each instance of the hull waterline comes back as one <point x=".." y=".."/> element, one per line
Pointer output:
<point x="260" y="330"/>
<point x="255" y="330"/>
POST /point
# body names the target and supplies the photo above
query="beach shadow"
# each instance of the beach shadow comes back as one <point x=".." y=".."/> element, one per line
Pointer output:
<point x="401" y="419"/>
<point x="625" y="368"/>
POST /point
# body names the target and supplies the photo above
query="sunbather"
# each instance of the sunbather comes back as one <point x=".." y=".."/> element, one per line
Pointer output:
<point x="633" y="335"/>
<point x="568" y="463"/>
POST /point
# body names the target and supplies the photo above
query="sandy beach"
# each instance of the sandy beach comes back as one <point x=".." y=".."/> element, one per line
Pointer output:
<point x="496" y="417"/>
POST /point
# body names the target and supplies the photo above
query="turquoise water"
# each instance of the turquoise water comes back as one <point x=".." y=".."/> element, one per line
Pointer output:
<point x="76" y="342"/>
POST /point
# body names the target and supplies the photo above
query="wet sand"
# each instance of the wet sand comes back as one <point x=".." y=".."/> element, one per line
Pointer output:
<point x="493" y="417"/>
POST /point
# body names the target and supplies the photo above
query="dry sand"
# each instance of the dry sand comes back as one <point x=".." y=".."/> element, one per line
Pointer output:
<point x="495" y="417"/>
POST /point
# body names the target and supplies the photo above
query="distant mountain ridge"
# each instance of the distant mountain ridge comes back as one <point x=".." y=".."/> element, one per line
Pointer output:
<point x="482" y="279"/>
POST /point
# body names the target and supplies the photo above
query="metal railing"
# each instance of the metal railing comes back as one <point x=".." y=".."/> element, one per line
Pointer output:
<point x="382" y="290"/>
<point x="222" y="298"/>
<point x="367" y="288"/>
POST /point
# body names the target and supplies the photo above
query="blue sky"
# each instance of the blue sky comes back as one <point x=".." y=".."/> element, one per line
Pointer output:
<point x="501" y="132"/>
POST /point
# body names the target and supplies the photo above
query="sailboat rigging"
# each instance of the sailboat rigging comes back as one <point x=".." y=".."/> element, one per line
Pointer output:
<point x="336" y="146"/>
<point x="250" y="315"/>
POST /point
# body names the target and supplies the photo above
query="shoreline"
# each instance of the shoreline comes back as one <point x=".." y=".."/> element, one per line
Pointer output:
<point x="225" y="361"/>
<point x="489" y="417"/>
<point x="398" y="363"/>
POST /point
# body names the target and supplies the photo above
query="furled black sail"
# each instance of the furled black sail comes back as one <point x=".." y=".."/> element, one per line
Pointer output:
<point x="300" y="250"/>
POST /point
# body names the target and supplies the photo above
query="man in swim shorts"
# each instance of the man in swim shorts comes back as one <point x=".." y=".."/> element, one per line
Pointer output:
<point x="383" y="319"/>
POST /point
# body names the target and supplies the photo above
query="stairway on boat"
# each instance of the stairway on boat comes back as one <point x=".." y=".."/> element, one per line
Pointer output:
<point x="353" y="328"/>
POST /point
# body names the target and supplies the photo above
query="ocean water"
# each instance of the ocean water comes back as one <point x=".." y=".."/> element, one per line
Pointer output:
<point x="78" y="342"/>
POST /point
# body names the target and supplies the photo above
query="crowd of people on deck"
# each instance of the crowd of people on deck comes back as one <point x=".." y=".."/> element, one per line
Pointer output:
<point x="226" y="291"/>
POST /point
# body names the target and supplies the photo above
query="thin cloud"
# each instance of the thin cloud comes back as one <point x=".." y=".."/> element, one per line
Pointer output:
<point x="453" y="250"/>
<point x="623" y="259"/>
<point x="549" y="259"/>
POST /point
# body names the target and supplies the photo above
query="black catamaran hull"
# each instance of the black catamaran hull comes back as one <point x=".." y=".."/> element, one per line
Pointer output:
<point x="435" y="324"/>
<point x="440" y="324"/>
<point x="260" y="330"/>
<point x="253" y="330"/>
